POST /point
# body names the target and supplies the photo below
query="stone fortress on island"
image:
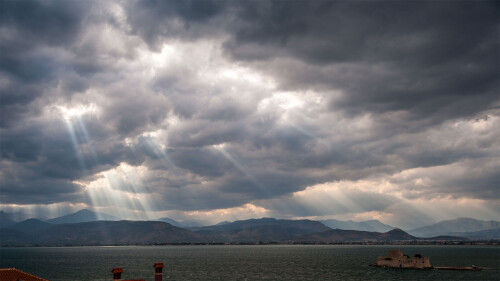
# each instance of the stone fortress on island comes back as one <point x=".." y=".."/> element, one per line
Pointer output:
<point x="398" y="259"/>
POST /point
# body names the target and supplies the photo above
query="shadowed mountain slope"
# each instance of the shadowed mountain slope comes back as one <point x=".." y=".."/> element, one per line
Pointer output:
<point x="456" y="226"/>
<point x="118" y="232"/>
<point x="82" y="216"/>
<point x="339" y="235"/>
<point x="369" y="225"/>
<point x="170" y="221"/>
<point x="254" y="230"/>
<point x="480" y="235"/>
<point x="31" y="225"/>
<point x="5" y="220"/>
<point x="100" y="233"/>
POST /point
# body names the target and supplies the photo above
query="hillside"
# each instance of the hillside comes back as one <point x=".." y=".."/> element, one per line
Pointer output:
<point x="369" y="225"/>
<point x="120" y="232"/>
<point x="185" y="224"/>
<point x="266" y="230"/>
<point x="456" y="226"/>
<point x="102" y="233"/>
<point x="339" y="235"/>
<point x="480" y="235"/>
<point x="82" y="216"/>
<point x="255" y="230"/>
<point x="5" y="220"/>
<point x="170" y="221"/>
<point x="31" y="225"/>
<point x="14" y="216"/>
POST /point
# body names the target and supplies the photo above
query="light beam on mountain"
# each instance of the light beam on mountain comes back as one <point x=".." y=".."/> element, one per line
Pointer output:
<point x="121" y="192"/>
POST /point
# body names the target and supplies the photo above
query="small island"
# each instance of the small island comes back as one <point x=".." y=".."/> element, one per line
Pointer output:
<point x="397" y="259"/>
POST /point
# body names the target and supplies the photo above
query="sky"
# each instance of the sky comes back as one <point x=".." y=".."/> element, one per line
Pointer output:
<point x="225" y="110"/>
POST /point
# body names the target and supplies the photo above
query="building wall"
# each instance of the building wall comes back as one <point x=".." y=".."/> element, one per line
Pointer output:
<point x="404" y="262"/>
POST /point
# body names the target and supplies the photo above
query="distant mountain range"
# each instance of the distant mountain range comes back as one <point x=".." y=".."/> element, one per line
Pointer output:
<point x="82" y="216"/>
<point x="31" y="226"/>
<point x="86" y="227"/>
<point x="370" y="225"/>
<point x="339" y="235"/>
<point x="462" y="226"/>
<point x="265" y="230"/>
<point x="482" y="234"/>
<point x="259" y="230"/>
<point x="5" y="219"/>
<point x="170" y="221"/>
<point x="186" y="224"/>
<point x="102" y="233"/>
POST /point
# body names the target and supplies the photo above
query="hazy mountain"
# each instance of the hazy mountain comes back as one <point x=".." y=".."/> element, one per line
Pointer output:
<point x="483" y="234"/>
<point x="307" y="225"/>
<point x="456" y="226"/>
<point x="82" y="216"/>
<point x="102" y="233"/>
<point x="223" y="223"/>
<point x="5" y="220"/>
<point x="340" y="235"/>
<point x="19" y="216"/>
<point x="369" y="225"/>
<point x="192" y="223"/>
<point x="11" y="236"/>
<point x="36" y="232"/>
<point x="31" y="225"/>
<point x="254" y="230"/>
<point x="170" y="221"/>
<point x="118" y="232"/>
<point x="479" y="235"/>
<point x="444" y="238"/>
<point x="184" y="224"/>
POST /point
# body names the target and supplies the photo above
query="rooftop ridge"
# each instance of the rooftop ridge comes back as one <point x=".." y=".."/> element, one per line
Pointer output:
<point x="17" y="272"/>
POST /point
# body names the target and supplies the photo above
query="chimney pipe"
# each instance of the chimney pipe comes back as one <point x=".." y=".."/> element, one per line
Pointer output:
<point x="158" y="271"/>
<point x="117" y="274"/>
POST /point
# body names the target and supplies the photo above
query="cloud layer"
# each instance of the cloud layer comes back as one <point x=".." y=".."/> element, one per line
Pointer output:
<point x="228" y="109"/>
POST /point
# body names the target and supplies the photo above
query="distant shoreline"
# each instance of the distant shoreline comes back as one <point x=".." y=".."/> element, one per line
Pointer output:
<point x="447" y="243"/>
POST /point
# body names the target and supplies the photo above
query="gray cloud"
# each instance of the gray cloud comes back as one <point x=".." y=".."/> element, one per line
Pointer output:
<point x="435" y="60"/>
<point x="188" y="20"/>
<point x="476" y="178"/>
<point x="328" y="204"/>
<point x="358" y="90"/>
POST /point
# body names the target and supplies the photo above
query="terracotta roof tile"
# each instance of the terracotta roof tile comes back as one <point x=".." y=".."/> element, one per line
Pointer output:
<point x="13" y="274"/>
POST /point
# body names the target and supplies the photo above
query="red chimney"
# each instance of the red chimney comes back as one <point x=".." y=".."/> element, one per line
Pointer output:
<point x="117" y="274"/>
<point x="159" y="271"/>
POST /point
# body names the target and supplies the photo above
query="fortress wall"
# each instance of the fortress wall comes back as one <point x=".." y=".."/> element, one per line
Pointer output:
<point x="404" y="262"/>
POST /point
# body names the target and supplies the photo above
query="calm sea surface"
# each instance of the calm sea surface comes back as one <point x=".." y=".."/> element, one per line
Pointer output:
<point x="269" y="262"/>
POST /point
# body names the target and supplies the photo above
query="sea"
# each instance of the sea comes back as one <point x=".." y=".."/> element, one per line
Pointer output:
<point x="248" y="262"/>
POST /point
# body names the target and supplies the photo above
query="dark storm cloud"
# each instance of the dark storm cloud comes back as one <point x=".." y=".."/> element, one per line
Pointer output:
<point x="477" y="178"/>
<point x="50" y="52"/>
<point x="39" y="158"/>
<point x="201" y="161"/>
<point x="327" y="204"/>
<point x="50" y="22"/>
<point x="26" y="26"/>
<point x="155" y="20"/>
<point x="207" y="133"/>
<point x="434" y="59"/>
<point x="437" y="60"/>
<point x="35" y="188"/>
<point x="323" y="32"/>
